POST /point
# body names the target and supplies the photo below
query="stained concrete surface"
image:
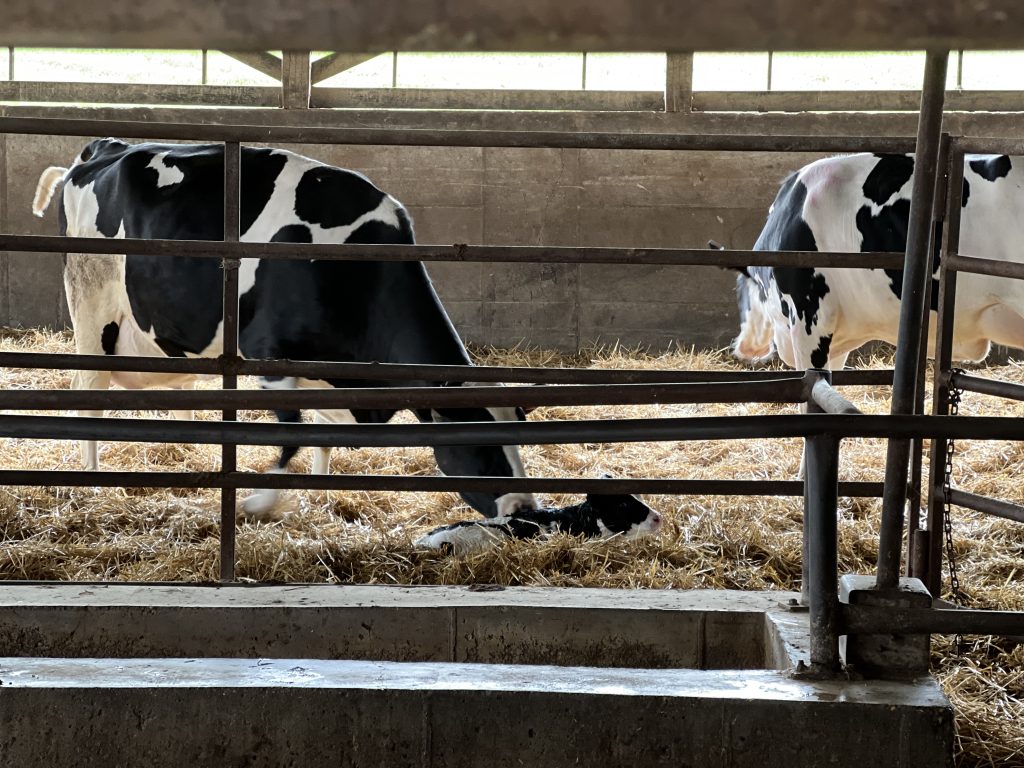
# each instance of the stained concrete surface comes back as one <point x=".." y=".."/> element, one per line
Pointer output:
<point x="300" y="712"/>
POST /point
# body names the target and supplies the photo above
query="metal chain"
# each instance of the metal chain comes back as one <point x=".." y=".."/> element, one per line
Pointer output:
<point x="947" y="516"/>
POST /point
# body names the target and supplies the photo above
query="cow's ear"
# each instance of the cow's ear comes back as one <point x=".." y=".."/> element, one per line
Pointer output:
<point x="715" y="246"/>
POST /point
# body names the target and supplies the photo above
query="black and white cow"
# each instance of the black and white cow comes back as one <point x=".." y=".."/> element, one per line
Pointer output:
<point x="816" y="317"/>
<point x="300" y="310"/>
<point x="601" y="515"/>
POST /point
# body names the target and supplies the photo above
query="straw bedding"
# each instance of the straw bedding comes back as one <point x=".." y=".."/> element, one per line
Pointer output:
<point x="734" y="543"/>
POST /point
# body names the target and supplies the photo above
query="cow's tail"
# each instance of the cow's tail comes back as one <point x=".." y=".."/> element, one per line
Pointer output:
<point x="50" y="179"/>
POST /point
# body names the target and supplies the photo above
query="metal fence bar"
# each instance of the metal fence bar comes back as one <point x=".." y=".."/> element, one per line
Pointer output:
<point x="989" y="506"/>
<point x="992" y="267"/>
<point x="431" y="483"/>
<point x="870" y="620"/>
<point x="984" y="386"/>
<point x="511" y="432"/>
<point x="820" y="506"/>
<point x="411" y="372"/>
<point x="828" y="400"/>
<point x="789" y="390"/>
<point x="414" y="137"/>
<point x="915" y="484"/>
<point x="943" y="361"/>
<point x="820" y="376"/>
<point x="989" y="145"/>
<point x="229" y="451"/>
<point x="518" y="254"/>
<point x="916" y="280"/>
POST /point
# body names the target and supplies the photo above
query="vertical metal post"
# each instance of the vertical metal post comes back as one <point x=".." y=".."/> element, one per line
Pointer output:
<point x="206" y="67"/>
<point x="771" y="65"/>
<point x="394" y="69"/>
<point x="943" y="363"/>
<point x="229" y="454"/>
<point x="10" y="63"/>
<point x="679" y="82"/>
<point x="805" y="564"/>
<point x="916" y="279"/>
<point x="820" y="509"/>
<point x="583" y="79"/>
<point x="914" y="489"/>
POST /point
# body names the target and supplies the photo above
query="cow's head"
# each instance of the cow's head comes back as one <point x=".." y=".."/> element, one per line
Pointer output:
<point x="484" y="460"/>
<point x="756" y="328"/>
<point x="756" y="337"/>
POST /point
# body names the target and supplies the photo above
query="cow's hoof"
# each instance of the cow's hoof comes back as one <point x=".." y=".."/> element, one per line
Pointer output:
<point x="260" y="507"/>
<point x="511" y="503"/>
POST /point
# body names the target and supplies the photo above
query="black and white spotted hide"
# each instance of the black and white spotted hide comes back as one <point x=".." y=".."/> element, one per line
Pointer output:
<point x="600" y="516"/>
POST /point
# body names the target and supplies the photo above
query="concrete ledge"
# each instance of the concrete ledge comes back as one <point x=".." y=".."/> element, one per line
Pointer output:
<point x="174" y="712"/>
<point x="705" y="629"/>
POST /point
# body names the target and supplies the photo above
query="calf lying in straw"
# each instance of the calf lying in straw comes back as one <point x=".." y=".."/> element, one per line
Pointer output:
<point x="600" y="516"/>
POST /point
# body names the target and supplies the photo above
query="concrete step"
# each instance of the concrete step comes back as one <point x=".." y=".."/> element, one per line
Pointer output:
<point x="304" y="712"/>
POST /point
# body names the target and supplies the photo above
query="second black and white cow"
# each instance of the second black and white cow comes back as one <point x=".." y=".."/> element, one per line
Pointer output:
<point x="816" y="317"/>
<point x="299" y="310"/>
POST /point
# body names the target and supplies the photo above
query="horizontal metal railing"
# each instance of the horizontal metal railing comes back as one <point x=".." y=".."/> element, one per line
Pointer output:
<point x="427" y="483"/>
<point x="513" y="432"/>
<point x="983" y="386"/>
<point x="408" y="371"/>
<point x="689" y="257"/>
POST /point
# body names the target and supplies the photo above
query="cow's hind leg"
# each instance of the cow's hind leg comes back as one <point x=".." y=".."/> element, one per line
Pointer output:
<point x="261" y="504"/>
<point x="321" y="456"/>
<point x="92" y="289"/>
<point x="185" y="415"/>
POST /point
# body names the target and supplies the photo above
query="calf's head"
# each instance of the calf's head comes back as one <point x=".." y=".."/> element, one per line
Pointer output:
<point x="620" y="514"/>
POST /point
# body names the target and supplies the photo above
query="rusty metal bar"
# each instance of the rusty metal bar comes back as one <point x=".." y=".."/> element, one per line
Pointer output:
<point x="518" y="254"/>
<point x="870" y="620"/>
<point x="984" y="386"/>
<point x="789" y="390"/>
<point x="411" y="372"/>
<point x="943" y="362"/>
<point x="989" y="506"/>
<point x="229" y="379"/>
<point x="414" y="137"/>
<point x="992" y="267"/>
<point x="510" y="432"/>
<point x="430" y="483"/>
<point x="916" y="281"/>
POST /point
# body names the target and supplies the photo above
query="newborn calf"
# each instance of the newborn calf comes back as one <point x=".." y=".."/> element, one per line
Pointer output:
<point x="600" y="516"/>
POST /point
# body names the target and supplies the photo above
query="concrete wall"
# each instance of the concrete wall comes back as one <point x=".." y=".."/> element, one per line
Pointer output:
<point x="504" y="197"/>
